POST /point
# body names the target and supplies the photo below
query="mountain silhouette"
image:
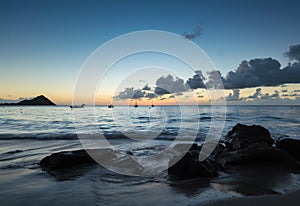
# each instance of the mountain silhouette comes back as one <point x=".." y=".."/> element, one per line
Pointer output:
<point x="38" y="101"/>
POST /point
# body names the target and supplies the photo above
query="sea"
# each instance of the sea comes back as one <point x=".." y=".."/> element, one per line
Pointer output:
<point x="30" y="133"/>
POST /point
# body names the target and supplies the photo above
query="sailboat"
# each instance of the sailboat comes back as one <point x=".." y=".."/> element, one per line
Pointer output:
<point x="136" y="105"/>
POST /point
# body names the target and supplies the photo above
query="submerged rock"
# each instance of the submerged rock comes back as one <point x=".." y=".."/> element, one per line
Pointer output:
<point x="291" y="146"/>
<point x="242" y="136"/>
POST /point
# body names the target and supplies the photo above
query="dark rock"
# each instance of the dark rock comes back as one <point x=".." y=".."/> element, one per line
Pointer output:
<point x="190" y="167"/>
<point x="291" y="146"/>
<point x="69" y="164"/>
<point x="258" y="154"/>
<point x="242" y="136"/>
<point x="246" y="147"/>
<point x="71" y="159"/>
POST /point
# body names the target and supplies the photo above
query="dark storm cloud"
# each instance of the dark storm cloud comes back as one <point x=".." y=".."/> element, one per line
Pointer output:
<point x="257" y="72"/>
<point x="168" y="85"/>
<point x="130" y="93"/>
<point x="253" y="73"/>
<point x="293" y="53"/>
<point x="196" y="81"/>
<point x="193" y="35"/>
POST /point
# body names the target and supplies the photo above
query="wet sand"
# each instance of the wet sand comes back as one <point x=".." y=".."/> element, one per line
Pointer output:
<point x="292" y="199"/>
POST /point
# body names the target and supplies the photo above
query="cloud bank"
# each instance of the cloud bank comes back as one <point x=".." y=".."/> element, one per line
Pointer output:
<point x="253" y="73"/>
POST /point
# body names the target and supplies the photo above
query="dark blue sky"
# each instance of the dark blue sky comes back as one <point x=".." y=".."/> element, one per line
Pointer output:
<point x="52" y="39"/>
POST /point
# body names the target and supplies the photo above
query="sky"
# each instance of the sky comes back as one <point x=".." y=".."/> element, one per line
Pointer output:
<point x="43" y="45"/>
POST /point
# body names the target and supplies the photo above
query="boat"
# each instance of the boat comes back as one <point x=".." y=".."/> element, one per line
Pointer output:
<point x="152" y="104"/>
<point x="77" y="106"/>
<point x="136" y="105"/>
<point x="111" y="106"/>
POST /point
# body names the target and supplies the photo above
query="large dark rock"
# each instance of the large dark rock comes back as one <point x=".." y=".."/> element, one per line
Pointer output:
<point x="242" y="136"/>
<point x="190" y="167"/>
<point x="66" y="159"/>
<point x="260" y="153"/>
<point x="74" y="163"/>
<point x="291" y="146"/>
<point x="72" y="159"/>
<point x="246" y="146"/>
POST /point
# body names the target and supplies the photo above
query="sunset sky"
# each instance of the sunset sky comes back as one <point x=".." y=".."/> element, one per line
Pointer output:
<point x="43" y="45"/>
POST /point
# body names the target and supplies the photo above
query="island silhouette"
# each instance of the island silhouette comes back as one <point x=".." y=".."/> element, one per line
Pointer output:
<point x="40" y="100"/>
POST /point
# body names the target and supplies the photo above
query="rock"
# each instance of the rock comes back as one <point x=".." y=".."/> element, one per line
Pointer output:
<point x="71" y="159"/>
<point x="291" y="146"/>
<point x="68" y="164"/>
<point x="190" y="167"/>
<point x="245" y="147"/>
<point x="242" y="136"/>
<point x="258" y="154"/>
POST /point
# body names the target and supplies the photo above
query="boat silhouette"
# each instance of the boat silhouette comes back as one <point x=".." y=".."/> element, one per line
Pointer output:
<point x="77" y="106"/>
<point x="136" y="105"/>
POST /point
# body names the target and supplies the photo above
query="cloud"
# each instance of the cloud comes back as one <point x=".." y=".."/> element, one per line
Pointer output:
<point x="291" y="95"/>
<point x="216" y="80"/>
<point x="14" y="100"/>
<point x="234" y="96"/>
<point x="130" y="93"/>
<point x="257" y="72"/>
<point x="146" y="87"/>
<point x="172" y="97"/>
<point x="168" y="85"/>
<point x="256" y="94"/>
<point x="200" y="96"/>
<point x="150" y="95"/>
<point x="195" y="34"/>
<point x="297" y="90"/>
<point x="293" y="53"/>
<point x="284" y="90"/>
<point x="178" y="94"/>
<point x="196" y="81"/>
<point x="253" y="73"/>
<point x="266" y="96"/>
